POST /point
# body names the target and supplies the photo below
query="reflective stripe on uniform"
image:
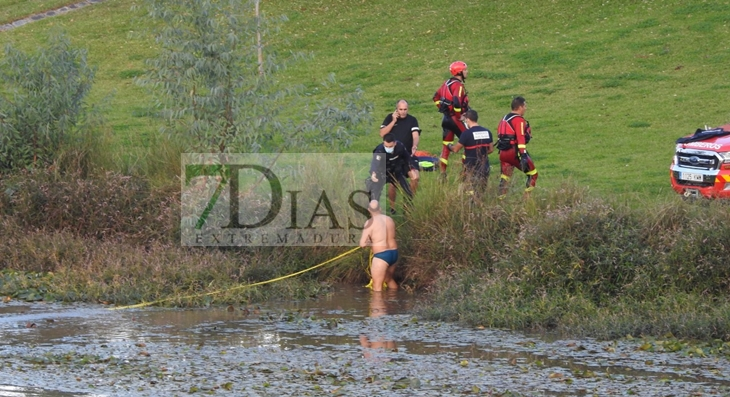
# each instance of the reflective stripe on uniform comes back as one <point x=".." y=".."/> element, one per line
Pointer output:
<point x="521" y="146"/>
<point x="530" y="173"/>
<point x="444" y="161"/>
<point x="505" y="177"/>
<point x="446" y="143"/>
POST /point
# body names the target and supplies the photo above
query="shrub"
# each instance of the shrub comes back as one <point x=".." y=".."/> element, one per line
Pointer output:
<point x="109" y="206"/>
<point x="218" y="90"/>
<point x="42" y="101"/>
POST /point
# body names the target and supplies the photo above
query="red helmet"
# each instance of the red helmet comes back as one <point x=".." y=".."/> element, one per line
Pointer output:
<point x="457" y="67"/>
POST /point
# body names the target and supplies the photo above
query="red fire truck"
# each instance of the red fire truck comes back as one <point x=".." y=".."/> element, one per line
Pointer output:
<point x="701" y="164"/>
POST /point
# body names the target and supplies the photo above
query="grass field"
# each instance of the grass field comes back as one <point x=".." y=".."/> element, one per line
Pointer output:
<point x="12" y="10"/>
<point x="610" y="85"/>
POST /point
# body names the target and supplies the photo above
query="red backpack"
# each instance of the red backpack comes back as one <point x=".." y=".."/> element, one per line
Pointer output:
<point x="444" y="98"/>
<point x="506" y="134"/>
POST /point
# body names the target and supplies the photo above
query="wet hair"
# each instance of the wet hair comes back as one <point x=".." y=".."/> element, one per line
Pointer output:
<point x="472" y="115"/>
<point x="388" y="138"/>
<point x="517" y="102"/>
<point x="374" y="206"/>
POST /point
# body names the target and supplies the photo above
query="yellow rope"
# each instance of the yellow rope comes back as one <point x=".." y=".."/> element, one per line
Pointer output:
<point x="367" y="270"/>
<point x="145" y="304"/>
<point x="344" y="254"/>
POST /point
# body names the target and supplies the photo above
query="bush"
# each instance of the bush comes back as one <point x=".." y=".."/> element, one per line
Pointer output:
<point x="109" y="206"/>
<point x="42" y="102"/>
<point x="568" y="261"/>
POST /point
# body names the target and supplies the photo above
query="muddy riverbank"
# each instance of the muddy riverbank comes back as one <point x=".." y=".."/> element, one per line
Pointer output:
<point x="346" y="344"/>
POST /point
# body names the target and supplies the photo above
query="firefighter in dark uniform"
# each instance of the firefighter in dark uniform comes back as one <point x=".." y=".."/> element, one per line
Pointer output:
<point x="477" y="142"/>
<point x="392" y="158"/>
<point x="514" y="134"/>
<point x="452" y="100"/>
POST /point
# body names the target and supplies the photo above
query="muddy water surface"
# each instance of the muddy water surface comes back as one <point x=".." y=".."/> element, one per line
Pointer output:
<point x="351" y="343"/>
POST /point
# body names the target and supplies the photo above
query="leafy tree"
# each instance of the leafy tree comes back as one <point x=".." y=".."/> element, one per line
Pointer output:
<point x="214" y="88"/>
<point x="41" y="101"/>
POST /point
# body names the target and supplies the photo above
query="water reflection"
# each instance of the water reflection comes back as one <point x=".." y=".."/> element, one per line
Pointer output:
<point x="375" y="341"/>
<point x="13" y="391"/>
<point x="45" y="323"/>
<point x="379" y="302"/>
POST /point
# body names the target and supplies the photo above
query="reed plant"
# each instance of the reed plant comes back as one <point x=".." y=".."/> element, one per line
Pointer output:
<point x="61" y="265"/>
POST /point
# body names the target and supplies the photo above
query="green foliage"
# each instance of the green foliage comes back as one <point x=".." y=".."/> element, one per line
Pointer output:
<point x="215" y="90"/>
<point x="42" y="101"/>
<point x="589" y="247"/>
<point x="26" y="286"/>
<point x="571" y="262"/>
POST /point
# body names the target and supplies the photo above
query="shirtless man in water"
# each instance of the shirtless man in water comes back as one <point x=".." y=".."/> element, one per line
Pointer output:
<point x="379" y="234"/>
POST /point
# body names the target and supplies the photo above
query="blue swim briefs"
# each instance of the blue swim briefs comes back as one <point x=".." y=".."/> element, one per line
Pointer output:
<point x="389" y="256"/>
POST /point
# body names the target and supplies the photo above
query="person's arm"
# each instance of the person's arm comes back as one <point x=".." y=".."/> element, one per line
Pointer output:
<point x="460" y="99"/>
<point x="365" y="234"/>
<point x="520" y="132"/>
<point x="388" y="123"/>
<point x="390" y="232"/>
<point x="489" y="140"/>
<point x="463" y="141"/>
<point x="416" y="139"/>
<point x="377" y="165"/>
<point x="416" y="133"/>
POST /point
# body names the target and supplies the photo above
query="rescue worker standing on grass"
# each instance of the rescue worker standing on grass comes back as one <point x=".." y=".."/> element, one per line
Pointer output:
<point x="514" y="134"/>
<point x="477" y="143"/>
<point x="451" y="99"/>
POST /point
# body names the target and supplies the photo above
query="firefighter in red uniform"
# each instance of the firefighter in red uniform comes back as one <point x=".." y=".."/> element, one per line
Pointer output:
<point x="514" y="133"/>
<point x="451" y="100"/>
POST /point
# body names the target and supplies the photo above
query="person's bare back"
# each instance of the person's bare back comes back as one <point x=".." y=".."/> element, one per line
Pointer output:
<point x="380" y="230"/>
<point x="379" y="233"/>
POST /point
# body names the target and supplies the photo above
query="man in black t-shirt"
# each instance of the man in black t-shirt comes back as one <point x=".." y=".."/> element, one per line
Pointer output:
<point x="477" y="142"/>
<point x="405" y="129"/>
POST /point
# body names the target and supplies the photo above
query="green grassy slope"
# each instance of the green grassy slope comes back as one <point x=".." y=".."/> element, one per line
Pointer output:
<point x="12" y="10"/>
<point x="610" y="85"/>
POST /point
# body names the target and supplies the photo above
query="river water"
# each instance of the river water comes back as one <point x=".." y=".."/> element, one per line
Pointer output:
<point x="351" y="343"/>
